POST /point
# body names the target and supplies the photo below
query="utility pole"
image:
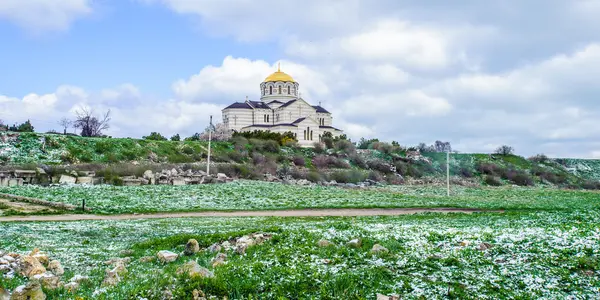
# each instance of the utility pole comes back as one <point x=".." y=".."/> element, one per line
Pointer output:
<point x="210" y="128"/>
<point x="448" y="173"/>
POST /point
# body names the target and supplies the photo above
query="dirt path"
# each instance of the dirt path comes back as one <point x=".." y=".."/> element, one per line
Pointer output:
<point x="344" y="212"/>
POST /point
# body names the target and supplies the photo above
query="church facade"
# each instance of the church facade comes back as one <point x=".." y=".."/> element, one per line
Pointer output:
<point x="281" y="109"/>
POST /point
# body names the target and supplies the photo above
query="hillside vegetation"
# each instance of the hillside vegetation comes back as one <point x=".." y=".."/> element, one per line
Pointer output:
<point x="252" y="158"/>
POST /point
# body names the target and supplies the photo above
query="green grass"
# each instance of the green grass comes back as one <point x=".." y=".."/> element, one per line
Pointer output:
<point x="256" y="195"/>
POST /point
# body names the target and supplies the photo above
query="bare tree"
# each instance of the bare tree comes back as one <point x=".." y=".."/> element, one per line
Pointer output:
<point x="505" y="150"/>
<point x="220" y="133"/>
<point x="90" y="125"/>
<point x="65" y="123"/>
<point x="442" y="146"/>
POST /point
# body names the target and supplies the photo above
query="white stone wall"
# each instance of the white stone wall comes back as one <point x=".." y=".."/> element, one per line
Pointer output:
<point x="237" y="118"/>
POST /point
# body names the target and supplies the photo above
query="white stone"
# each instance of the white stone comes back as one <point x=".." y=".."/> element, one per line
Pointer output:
<point x="178" y="181"/>
<point x="85" y="180"/>
<point x="15" y="182"/>
<point x="166" y="256"/>
<point x="66" y="179"/>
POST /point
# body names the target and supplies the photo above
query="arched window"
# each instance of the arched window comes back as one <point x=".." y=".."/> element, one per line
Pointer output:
<point x="267" y="118"/>
<point x="289" y="90"/>
<point x="280" y="90"/>
<point x="311" y="135"/>
<point x="270" y="90"/>
<point x="304" y="134"/>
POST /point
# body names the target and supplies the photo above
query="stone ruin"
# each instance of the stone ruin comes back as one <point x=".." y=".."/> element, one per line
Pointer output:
<point x="165" y="177"/>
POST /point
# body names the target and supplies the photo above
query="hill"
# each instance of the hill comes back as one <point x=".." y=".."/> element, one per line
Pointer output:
<point x="252" y="158"/>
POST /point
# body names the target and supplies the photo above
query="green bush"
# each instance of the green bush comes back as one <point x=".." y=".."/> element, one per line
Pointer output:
<point x="492" y="180"/>
<point x="155" y="136"/>
<point x="314" y="176"/>
<point x="350" y="176"/>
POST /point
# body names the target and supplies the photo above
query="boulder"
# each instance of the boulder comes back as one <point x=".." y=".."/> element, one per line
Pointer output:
<point x="379" y="249"/>
<point x="465" y="243"/>
<point x="193" y="269"/>
<point x="85" y="180"/>
<point x="79" y="279"/>
<point x="173" y="172"/>
<point x="29" y="266"/>
<point x="245" y="240"/>
<point x="111" y="278"/>
<point x="485" y="246"/>
<point x="148" y="175"/>
<point x="241" y="249"/>
<point x="4" y="295"/>
<point x="386" y="297"/>
<point x="49" y="281"/>
<point x="191" y="247"/>
<point x="31" y="291"/>
<point x="56" y="268"/>
<point x="166" y="256"/>
<point x="178" y="181"/>
<point x="325" y="243"/>
<point x="66" y="179"/>
<point x="355" y="243"/>
<point x="198" y="295"/>
<point x="222" y="176"/>
<point x="218" y="260"/>
<point x="132" y="182"/>
<point x="214" y="247"/>
<point x="146" y="259"/>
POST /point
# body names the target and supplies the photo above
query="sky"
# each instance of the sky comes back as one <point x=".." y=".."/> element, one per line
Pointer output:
<point x="478" y="74"/>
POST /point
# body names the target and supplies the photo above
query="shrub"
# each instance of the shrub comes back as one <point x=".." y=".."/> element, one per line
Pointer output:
<point x="279" y="138"/>
<point x="358" y="161"/>
<point x="539" y="158"/>
<point x="345" y="146"/>
<point x="328" y="141"/>
<point x="380" y="165"/>
<point x="375" y="176"/>
<point x="297" y="174"/>
<point x="383" y="147"/>
<point x="187" y="150"/>
<point x="350" y="176"/>
<point x="314" y="176"/>
<point x="318" y="147"/>
<point x="325" y="161"/>
<point x="365" y="144"/>
<point x="492" y="180"/>
<point x="519" y="178"/>
<point x="264" y="145"/>
<point x="236" y="156"/>
<point x="176" y="138"/>
<point x="505" y="150"/>
<point x="299" y="161"/>
<point x="155" y="136"/>
<point x="591" y="185"/>
<point x="465" y="172"/>
<point x="258" y="159"/>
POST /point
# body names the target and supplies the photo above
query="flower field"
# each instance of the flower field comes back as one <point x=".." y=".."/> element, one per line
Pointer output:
<point x="552" y="255"/>
<point x="256" y="195"/>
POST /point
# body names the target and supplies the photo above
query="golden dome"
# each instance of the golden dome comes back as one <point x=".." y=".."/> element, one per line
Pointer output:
<point x="279" y="76"/>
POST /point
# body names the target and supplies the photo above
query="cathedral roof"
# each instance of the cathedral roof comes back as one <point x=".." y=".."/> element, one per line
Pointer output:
<point x="279" y="76"/>
<point x="259" y="104"/>
<point x="288" y="103"/>
<point x="320" y="109"/>
<point x="239" y="105"/>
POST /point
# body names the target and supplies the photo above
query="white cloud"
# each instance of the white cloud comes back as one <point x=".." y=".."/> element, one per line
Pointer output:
<point x="237" y="78"/>
<point x="44" y="15"/>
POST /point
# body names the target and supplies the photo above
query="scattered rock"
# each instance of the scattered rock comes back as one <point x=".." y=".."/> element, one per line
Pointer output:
<point x="386" y="297"/>
<point x="71" y="286"/>
<point x="5" y="269"/>
<point x="198" y="295"/>
<point x="241" y="249"/>
<point x="56" y="268"/>
<point x="166" y="256"/>
<point x="214" y="247"/>
<point x="465" y="243"/>
<point x="111" y="278"/>
<point x="118" y="260"/>
<point x="48" y="280"/>
<point x="218" y="260"/>
<point x="325" y="243"/>
<point x="245" y="240"/>
<point x="127" y="252"/>
<point x="29" y="266"/>
<point x="485" y="246"/>
<point x="31" y="291"/>
<point x="148" y="175"/>
<point x="167" y="294"/>
<point x="193" y="269"/>
<point x="146" y="259"/>
<point x="79" y="279"/>
<point x="4" y="295"/>
<point x="355" y="243"/>
<point x="379" y="249"/>
<point x="192" y="247"/>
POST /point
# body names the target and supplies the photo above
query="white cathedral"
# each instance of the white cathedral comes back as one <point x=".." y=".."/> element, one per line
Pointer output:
<point x="281" y="109"/>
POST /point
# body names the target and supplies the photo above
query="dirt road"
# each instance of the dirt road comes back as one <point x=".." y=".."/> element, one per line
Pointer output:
<point x="346" y="212"/>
